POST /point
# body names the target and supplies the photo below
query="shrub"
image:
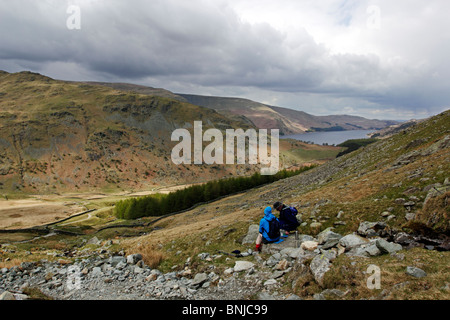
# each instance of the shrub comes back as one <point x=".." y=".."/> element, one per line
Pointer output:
<point x="353" y="145"/>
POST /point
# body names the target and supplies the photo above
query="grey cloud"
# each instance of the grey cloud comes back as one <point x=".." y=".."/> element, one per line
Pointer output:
<point x="202" y="43"/>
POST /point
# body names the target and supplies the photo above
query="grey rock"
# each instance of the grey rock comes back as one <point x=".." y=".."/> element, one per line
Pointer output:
<point x="203" y="255"/>
<point x="415" y="272"/>
<point x="328" y="238"/>
<point x="116" y="259"/>
<point x="270" y="282"/>
<point x="7" y="296"/>
<point x="351" y="241"/>
<point x="273" y="260"/>
<point x="252" y="234"/>
<point x="228" y="271"/>
<point x="138" y="270"/>
<point x="319" y="296"/>
<point x="388" y="247"/>
<point x="134" y="258"/>
<point x="305" y="237"/>
<point x="97" y="272"/>
<point x="296" y="253"/>
<point x="391" y="217"/>
<point x="243" y="266"/>
<point x="286" y="252"/>
<point x="436" y="191"/>
<point x="319" y="266"/>
<point x="409" y="204"/>
<point x="372" y="250"/>
<point x="370" y="229"/>
<point x="27" y="265"/>
<point x="199" y="279"/>
<point x="278" y="274"/>
<point x="293" y="297"/>
<point x="121" y="265"/>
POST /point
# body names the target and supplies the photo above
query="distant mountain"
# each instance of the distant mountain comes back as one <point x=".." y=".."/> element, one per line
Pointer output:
<point x="287" y="120"/>
<point x="263" y="116"/>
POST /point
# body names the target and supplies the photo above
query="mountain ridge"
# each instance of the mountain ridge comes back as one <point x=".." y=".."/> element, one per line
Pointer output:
<point x="263" y="116"/>
<point x="289" y="121"/>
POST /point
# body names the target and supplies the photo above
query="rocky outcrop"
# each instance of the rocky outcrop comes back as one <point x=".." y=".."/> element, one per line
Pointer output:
<point x="116" y="276"/>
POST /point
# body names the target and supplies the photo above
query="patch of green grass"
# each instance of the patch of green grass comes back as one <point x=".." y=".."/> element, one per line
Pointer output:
<point x="305" y="155"/>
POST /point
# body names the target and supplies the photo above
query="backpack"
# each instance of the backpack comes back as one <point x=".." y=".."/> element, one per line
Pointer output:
<point x="290" y="214"/>
<point x="274" y="229"/>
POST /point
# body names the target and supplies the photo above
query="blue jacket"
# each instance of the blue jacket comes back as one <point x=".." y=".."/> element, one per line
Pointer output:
<point x="264" y="224"/>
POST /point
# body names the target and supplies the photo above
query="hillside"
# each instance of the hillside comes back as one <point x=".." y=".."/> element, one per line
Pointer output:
<point x="383" y="207"/>
<point x="65" y="136"/>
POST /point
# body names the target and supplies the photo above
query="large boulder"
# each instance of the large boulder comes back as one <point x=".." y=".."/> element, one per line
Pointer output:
<point x="134" y="258"/>
<point x="199" y="279"/>
<point x="351" y="241"/>
<point x="243" y="266"/>
<point x="415" y="272"/>
<point x="309" y="245"/>
<point x="371" y="229"/>
<point x="252" y="234"/>
<point x="328" y="239"/>
<point x="388" y="247"/>
<point x="319" y="266"/>
<point x="7" y="296"/>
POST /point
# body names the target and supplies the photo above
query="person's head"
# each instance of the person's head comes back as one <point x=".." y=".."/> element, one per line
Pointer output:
<point x="278" y="206"/>
<point x="268" y="210"/>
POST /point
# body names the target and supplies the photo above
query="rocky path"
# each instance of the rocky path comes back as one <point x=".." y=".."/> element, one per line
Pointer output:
<point x="108" y="276"/>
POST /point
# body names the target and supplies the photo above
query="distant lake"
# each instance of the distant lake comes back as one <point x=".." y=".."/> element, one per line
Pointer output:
<point x="332" y="137"/>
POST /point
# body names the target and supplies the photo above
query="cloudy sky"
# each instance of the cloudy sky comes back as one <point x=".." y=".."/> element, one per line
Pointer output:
<point x="374" y="58"/>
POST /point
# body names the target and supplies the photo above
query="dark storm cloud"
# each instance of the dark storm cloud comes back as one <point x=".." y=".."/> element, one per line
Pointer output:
<point x="151" y="39"/>
<point x="203" y="44"/>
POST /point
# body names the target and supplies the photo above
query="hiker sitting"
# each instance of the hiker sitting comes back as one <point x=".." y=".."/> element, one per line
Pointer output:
<point x="269" y="229"/>
<point x="288" y="217"/>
